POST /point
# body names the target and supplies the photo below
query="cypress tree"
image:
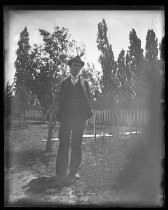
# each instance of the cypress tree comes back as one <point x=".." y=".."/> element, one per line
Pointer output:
<point x="22" y="65"/>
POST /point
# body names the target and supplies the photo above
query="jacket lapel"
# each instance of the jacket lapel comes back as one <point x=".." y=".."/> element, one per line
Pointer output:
<point x="82" y="81"/>
<point x="68" y="82"/>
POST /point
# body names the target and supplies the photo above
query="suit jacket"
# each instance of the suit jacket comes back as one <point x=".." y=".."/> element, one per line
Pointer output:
<point x="65" y="85"/>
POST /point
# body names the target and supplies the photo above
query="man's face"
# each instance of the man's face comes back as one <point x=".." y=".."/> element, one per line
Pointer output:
<point x="75" y="68"/>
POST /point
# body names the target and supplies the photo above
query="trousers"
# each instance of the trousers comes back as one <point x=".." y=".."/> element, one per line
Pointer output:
<point x="70" y="136"/>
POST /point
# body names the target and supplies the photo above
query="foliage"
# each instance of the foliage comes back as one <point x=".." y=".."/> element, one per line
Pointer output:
<point x="21" y="78"/>
<point x="108" y="81"/>
<point x="150" y="61"/>
<point x="93" y="77"/>
<point x="119" y="77"/>
<point x="151" y="54"/>
<point x="151" y="46"/>
<point x="8" y="94"/>
<point x="127" y="78"/>
<point x="149" y="69"/>
<point x="75" y="48"/>
<point x="129" y="69"/>
<point x="22" y="62"/>
<point x="21" y="103"/>
<point x="48" y="67"/>
<point x="162" y="48"/>
<point x="123" y="92"/>
<point x="40" y="72"/>
<point x="135" y="54"/>
<point x="121" y="68"/>
<point x="106" y="58"/>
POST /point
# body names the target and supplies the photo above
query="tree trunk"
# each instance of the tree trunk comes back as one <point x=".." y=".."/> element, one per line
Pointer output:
<point x="50" y="131"/>
<point x="22" y="118"/>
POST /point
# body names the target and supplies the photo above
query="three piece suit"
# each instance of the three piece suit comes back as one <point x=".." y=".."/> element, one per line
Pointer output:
<point x="74" y="108"/>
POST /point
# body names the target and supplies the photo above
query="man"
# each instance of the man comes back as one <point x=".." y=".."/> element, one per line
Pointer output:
<point x="73" y="110"/>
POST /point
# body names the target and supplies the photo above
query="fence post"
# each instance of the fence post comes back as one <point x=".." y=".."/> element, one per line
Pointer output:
<point x="136" y="121"/>
<point x="94" y="125"/>
<point x="117" y="124"/>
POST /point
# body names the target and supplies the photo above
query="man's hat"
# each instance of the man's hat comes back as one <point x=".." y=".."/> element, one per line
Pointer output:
<point x="76" y="59"/>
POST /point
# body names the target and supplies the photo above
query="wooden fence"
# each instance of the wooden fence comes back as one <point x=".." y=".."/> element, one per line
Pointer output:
<point x="124" y="117"/>
<point x="34" y="115"/>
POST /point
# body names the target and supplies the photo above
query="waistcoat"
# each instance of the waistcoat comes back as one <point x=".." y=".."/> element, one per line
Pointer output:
<point x="75" y="104"/>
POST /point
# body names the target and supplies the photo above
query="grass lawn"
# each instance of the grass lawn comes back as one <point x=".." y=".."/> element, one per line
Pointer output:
<point x="113" y="171"/>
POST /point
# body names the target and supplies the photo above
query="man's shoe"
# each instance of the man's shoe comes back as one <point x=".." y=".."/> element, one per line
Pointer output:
<point x="70" y="177"/>
<point x="76" y="176"/>
<point x="60" y="181"/>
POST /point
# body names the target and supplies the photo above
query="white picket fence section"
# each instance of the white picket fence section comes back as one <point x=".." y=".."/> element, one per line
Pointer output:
<point x="33" y="115"/>
<point x="125" y="117"/>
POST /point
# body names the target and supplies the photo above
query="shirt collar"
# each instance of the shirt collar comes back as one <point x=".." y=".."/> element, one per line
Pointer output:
<point x="74" y="78"/>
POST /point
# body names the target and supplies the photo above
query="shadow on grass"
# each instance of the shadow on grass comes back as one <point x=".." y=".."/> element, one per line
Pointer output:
<point x="38" y="190"/>
<point x="41" y="184"/>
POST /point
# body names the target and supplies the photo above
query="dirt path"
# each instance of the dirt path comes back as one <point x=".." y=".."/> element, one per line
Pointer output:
<point x="110" y="171"/>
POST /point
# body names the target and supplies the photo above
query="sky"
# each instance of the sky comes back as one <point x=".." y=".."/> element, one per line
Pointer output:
<point x="83" y="27"/>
